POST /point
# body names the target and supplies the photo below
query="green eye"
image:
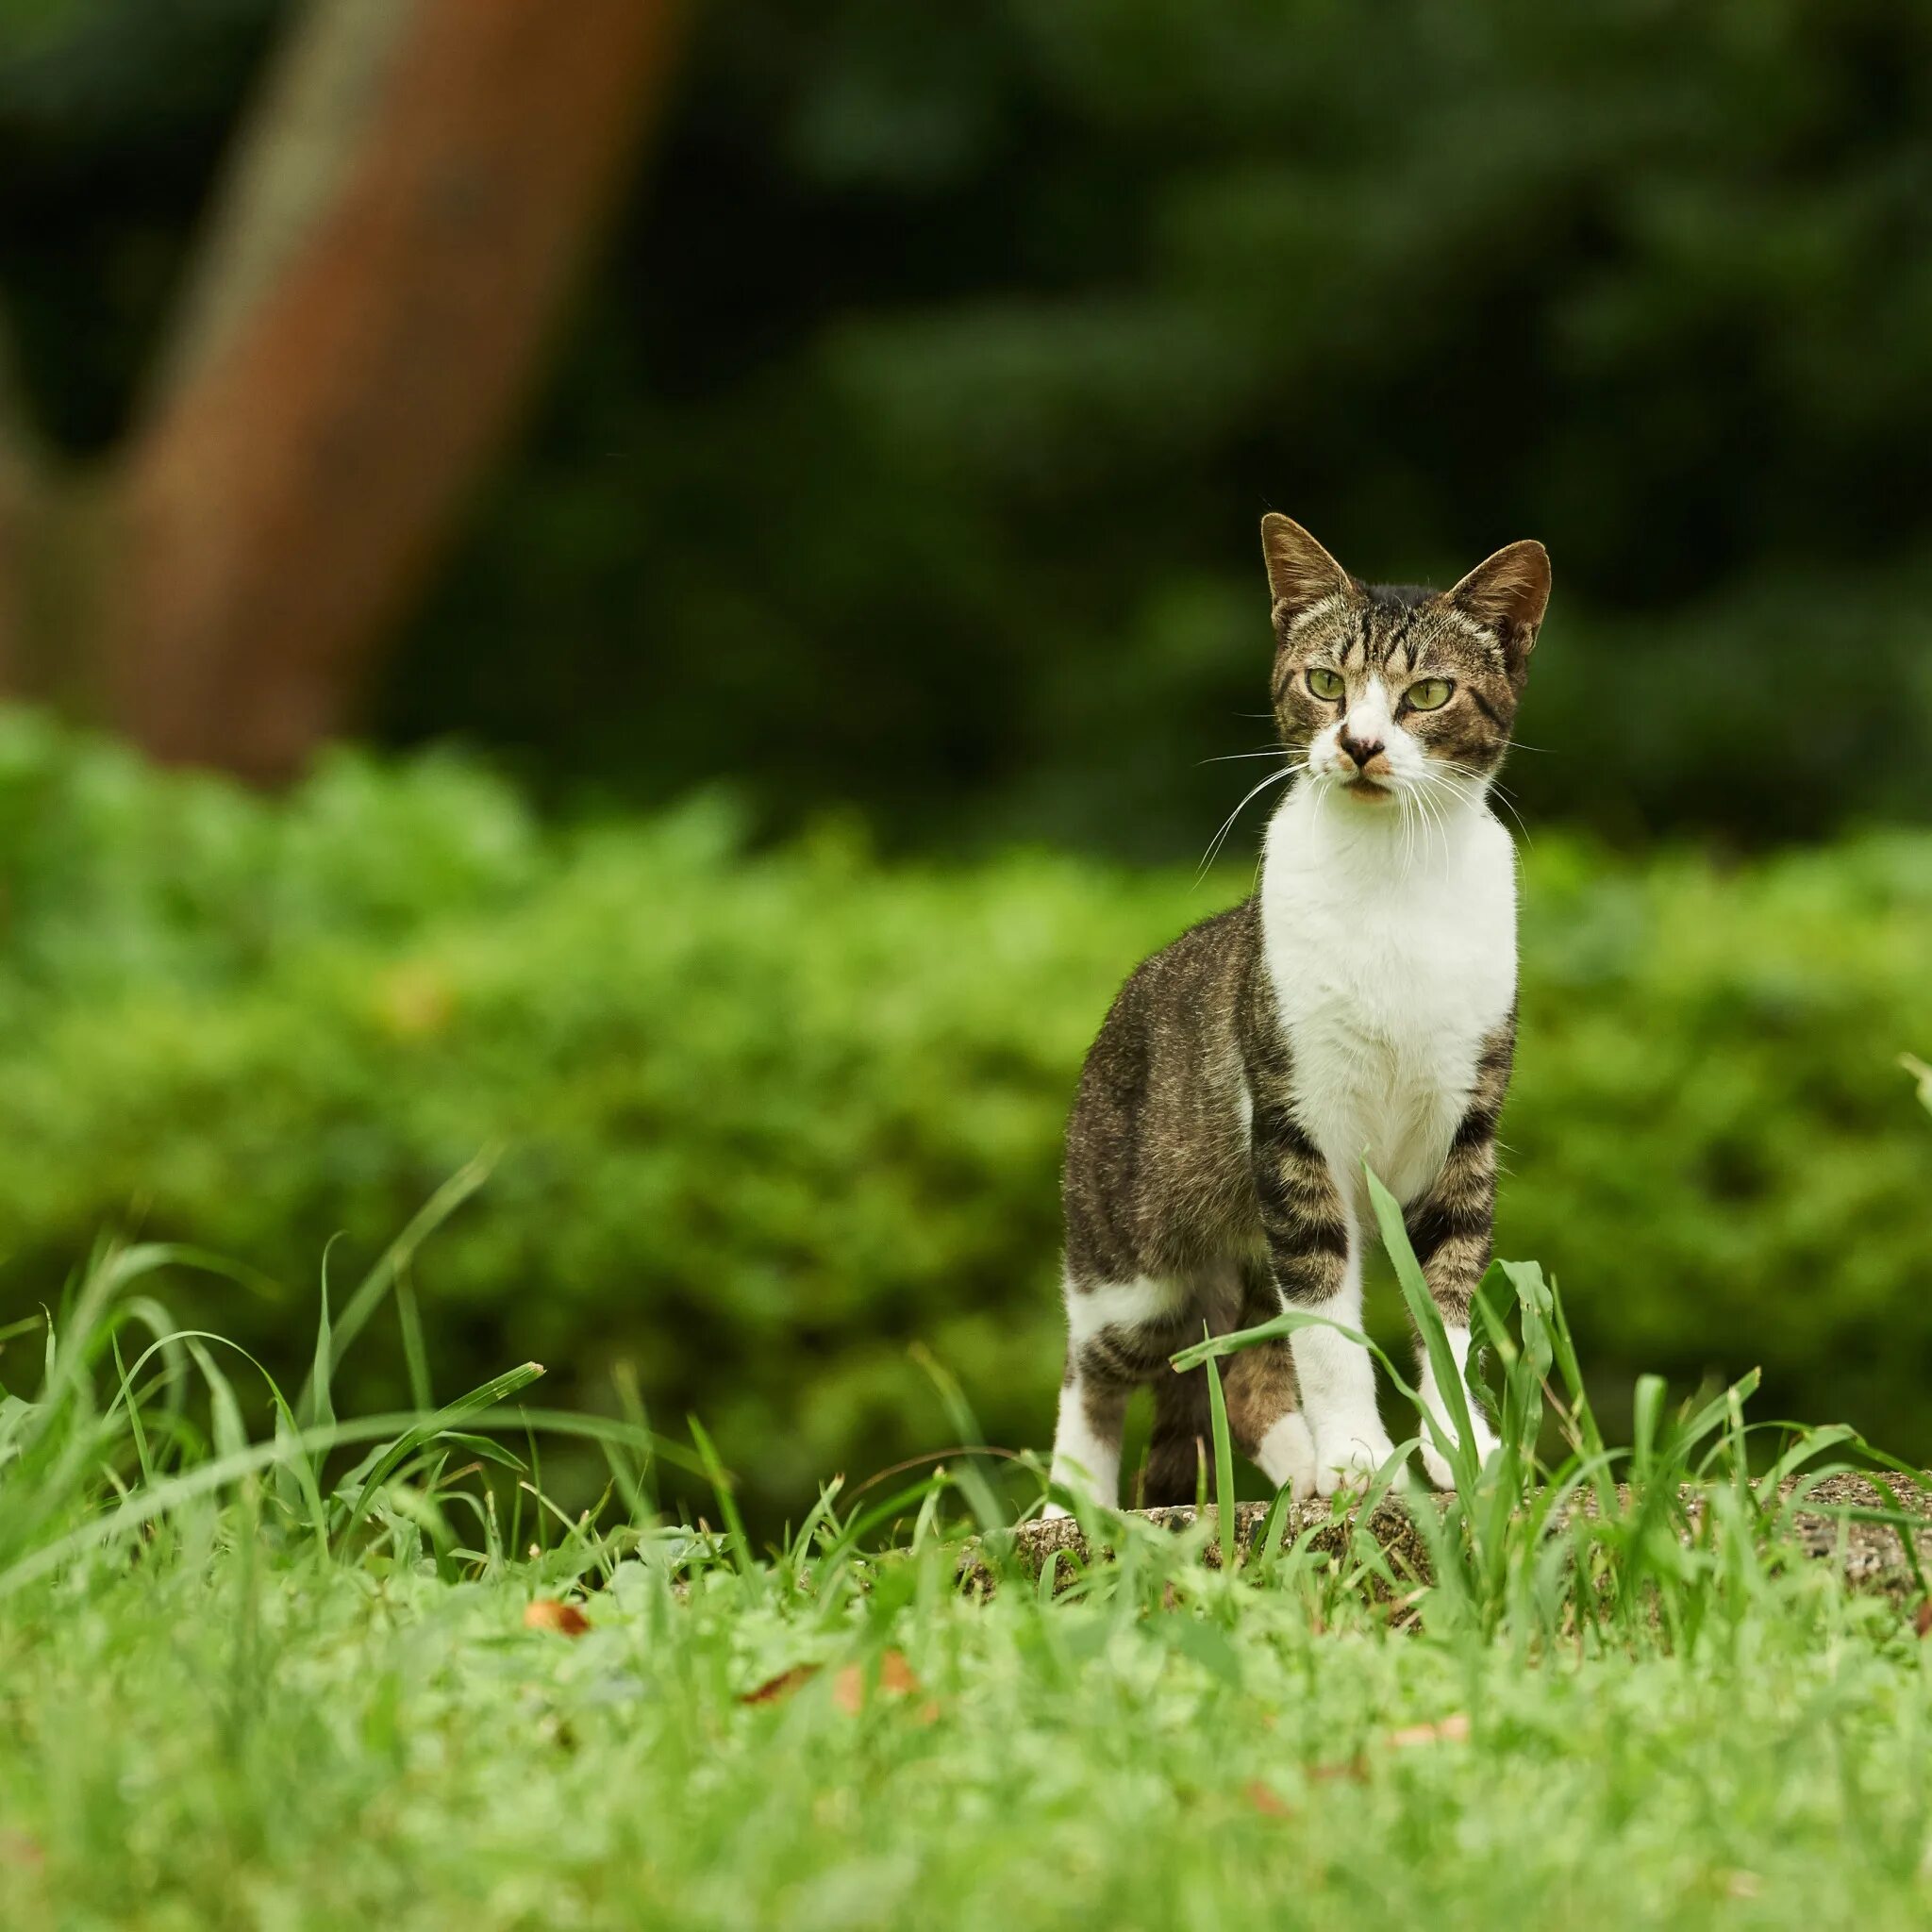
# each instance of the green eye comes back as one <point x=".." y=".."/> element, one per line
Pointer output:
<point x="1326" y="683"/>
<point x="1428" y="695"/>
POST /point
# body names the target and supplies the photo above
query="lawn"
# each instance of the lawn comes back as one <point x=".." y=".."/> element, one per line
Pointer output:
<point x="227" y="1744"/>
<point x="257" y="1683"/>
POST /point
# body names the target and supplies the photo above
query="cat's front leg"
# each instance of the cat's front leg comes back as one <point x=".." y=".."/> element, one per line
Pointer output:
<point x="1435" y="1464"/>
<point x="1314" y="1253"/>
<point x="1450" y="1227"/>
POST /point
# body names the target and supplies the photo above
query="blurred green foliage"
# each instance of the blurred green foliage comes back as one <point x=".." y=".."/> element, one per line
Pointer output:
<point x="910" y="442"/>
<point x="772" y="1118"/>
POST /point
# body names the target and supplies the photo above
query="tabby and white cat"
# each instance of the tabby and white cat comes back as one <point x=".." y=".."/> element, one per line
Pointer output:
<point x="1361" y="1006"/>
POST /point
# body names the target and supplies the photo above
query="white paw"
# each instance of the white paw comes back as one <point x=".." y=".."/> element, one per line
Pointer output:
<point x="1285" y="1456"/>
<point x="1436" y="1465"/>
<point x="1346" y="1458"/>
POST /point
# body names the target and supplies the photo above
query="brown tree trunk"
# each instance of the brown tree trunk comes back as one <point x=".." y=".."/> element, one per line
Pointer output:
<point x="13" y="521"/>
<point x="16" y="480"/>
<point x="402" y="226"/>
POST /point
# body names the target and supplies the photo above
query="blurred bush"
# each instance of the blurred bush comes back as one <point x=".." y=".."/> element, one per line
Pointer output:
<point x="770" y="1119"/>
<point x="910" y="445"/>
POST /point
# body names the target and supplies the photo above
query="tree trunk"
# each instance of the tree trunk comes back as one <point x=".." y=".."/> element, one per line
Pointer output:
<point x="12" y="529"/>
<point x="16" y="492"/>
<point x="397" y="232"/>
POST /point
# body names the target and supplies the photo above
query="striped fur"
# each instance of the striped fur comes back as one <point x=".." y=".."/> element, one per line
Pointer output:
<point x="1360" y="1007"/>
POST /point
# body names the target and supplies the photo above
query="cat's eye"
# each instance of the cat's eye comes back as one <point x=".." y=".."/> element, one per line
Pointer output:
<point x="1326" y="683"/>
<point x="1428" y="694"/>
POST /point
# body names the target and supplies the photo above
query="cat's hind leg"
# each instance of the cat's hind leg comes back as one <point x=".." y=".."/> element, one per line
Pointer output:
<point x="1263" y="1395"/>
<point x="1180" y="1449"/>
<point x="1258" y="1385"/>
<point x="1264" y="1419"/>
<point x="1119" y="1335"/>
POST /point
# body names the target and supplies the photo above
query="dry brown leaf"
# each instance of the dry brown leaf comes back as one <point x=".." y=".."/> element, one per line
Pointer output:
<point x="897" y="1679"/>
<point x="775" y="1690"/>
<point x="1267" y="1799"/>
<point x="1923" y="1622"/>
<point x="548" y="1613"/>
<point x="1449" y="1730"/>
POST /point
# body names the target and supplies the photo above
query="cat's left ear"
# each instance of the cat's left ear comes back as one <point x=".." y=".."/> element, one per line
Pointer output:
<point x="1506" y="593"/>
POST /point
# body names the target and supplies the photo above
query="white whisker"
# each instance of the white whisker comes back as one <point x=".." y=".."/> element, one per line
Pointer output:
<point x="1472" y="788"/>
<point x="1503" y="797"/>
<point x="1432" y="820"/>
<point x="1287" y="772"/>
<point x="1229" y="757"/>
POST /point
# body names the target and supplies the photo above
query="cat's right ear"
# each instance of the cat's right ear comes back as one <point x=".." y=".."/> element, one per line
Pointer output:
<point x="1300" y="571"/>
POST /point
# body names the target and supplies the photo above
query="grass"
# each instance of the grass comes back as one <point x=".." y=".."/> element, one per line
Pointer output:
<point x="215" y="1747"/>
<point x="324" y="1677"/>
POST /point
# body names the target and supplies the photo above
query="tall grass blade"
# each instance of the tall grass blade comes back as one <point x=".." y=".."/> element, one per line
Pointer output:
<point x="393" y="1455"/>
<point x="1427" y="1318"/>
<point x="402" y="1251"/>
<point x="981" y="1498"/>
<point x="721" y="1487"/>
<point x="1224" y="1468"/>
<point x="319" y="1407"/>
<point x="416" y="1350"/>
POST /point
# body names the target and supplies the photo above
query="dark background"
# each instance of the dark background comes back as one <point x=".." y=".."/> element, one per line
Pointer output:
<point x="906" y="447"/>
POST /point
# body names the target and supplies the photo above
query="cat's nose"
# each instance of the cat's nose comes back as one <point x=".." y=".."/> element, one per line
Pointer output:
<point x="1360" y="749"/>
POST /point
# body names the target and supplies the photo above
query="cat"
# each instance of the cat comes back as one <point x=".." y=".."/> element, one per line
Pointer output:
<point x="1359" y="1007"/>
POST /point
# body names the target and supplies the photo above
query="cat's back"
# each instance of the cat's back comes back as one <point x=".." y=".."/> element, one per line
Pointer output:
<point x="1156" y="1151"/>
<point x="1177" y="1004"/>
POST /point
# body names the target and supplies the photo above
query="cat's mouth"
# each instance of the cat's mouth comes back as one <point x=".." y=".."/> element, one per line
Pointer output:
<point x="1368" y="789"/>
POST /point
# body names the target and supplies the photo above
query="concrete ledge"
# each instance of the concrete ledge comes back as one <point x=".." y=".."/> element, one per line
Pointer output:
<point x="1873" y="1554"/>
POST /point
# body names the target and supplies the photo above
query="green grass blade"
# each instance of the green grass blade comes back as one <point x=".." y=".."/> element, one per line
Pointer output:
<point x="723" y="1485"/>
<point x="319" y="1407"/>
<point x="485" y="1396"/>
<point x="1460" y="1453"/>
<point x="980" y="1496"/>
<point x="416" y="1350"/>
<point x="137" y="1432"/>
<point x="1223" y="1469"/>
<point x="145" y="1505"/>
<point x="402" y="1251"/>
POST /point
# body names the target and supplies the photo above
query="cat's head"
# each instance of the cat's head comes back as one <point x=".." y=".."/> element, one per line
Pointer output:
<point x="1389" y="689"/>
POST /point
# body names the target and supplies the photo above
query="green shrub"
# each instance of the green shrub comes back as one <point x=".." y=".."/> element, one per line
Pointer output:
<point x="769" y="1119"/>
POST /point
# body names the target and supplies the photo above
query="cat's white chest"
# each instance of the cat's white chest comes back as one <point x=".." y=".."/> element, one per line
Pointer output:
<point x="1391" y="965"/>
